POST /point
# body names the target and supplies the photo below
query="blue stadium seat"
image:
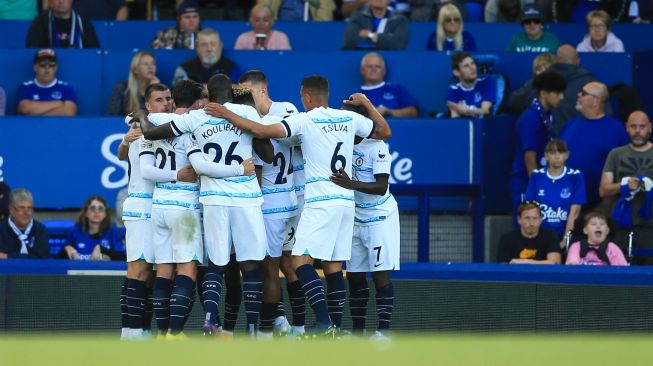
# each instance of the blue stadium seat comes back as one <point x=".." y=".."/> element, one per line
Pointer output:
<point x="475" y="11"/>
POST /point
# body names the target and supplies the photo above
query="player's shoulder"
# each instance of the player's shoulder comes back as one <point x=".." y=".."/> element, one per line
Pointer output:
<point x="161" y="118"/>
<point x="271" y="119"/>
<point x="283" y="108"/>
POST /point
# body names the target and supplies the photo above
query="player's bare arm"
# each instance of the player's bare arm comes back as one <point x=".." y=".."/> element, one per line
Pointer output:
<point x="378" y="187"/>
<point x="152" y="132"/>
<point x="187" y="174"/>
<point x="264" y="149"/>
<point x="382" y="130"/>
<point x="256" y="129"/>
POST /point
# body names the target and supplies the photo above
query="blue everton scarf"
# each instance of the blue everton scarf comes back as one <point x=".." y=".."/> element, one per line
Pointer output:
<point x="623" y="211"/>
<point x="76" y="31"/>
<point x="545" y="117"/>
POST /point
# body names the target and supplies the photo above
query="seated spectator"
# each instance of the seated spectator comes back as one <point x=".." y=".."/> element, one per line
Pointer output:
<point x="262" y="37"/>
<point x="449" y="34"/>
<point x="597" y="249"/>
<point x="559" y="190"/>
<point x="376" y="27"/>
<point x="46" y="95"/>
<point x="542" y="62"/>
<point x="530" y="244"/>
<point x="626" y="183"/>
<point x="61" y="27"/>
<point x="520" y="98"/>
<point x="471" y="96"/>
<point x="209" y="60"/>
<point x="599" y="37"/>
<point x="4" y="197"/>
<point x="102" y="9"/>
<point x="3" y="102"/>
<point x="183" y="35"/>
<point x="20" y="235"/>
<point x="399" y="7"/>
<point x="591" y="136"/>
<point x="534" y="129"/>
<point x="389" y="99"/>
<point x="17" y="10"/>
<point x="534" y="38"/>
<point x="129" y="95"/>
<point x="293" y="10"/>
<point x="93" y="236"/>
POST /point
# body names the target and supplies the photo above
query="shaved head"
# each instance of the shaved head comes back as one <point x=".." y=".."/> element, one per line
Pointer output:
<point x="567" y="55"/>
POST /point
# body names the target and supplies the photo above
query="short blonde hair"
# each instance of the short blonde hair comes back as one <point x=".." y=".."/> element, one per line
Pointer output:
<point x="543" y="60"/>
<point x="601" y="15"/>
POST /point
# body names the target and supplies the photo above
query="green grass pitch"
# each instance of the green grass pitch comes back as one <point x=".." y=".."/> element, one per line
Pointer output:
<point x="434" y="350"/>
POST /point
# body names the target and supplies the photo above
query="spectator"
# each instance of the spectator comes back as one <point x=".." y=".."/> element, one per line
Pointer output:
<point x="534" y="130"/>
<point x="17" y="10"/>
<point x="534" y="38"/>
<point x="129" y="95"/>
<point x="560" y="190"/>
<point x="567" y="64"/>
<point x="389" y="99"/>
<point x="46" y="95"/>
<point x="374" y="26"/>
<point x="102" y="9"/>
<point x="471" y="96"/>
<point x="293" y="10"/>
<point x="3" y="102"/>
<point x="600" y="38"/>
<point x="591" y="136"/>
<point x="627" y="181"/>
<point x="20" y="235"/>
<point x="61" y="27"/>
<point x="597" y="249"/>
<point x="261" y="19"/>
<point x="530" y="244"/>
<point x="449" y="34"/>
<point x="209" y="60"/>
<point x="521" y="98"/>
<point x="503" y="10"/>
<point x="183" y="34"/>
<point x="93" y="236"/>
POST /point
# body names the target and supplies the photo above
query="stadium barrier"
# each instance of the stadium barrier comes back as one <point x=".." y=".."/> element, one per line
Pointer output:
<point x="56" y="296"/>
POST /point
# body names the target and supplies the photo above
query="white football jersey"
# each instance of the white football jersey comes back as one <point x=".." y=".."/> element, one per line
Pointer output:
<point x="172" y="154"/>
<point x="277" y="183"/>
<point x="138" y="204"/>
<point x="223" y="143"/>
<point x="298" y="170"/>
<point x="327" y="137"/>
<point x="282" y="109"/>
<point x="372" y="157"/>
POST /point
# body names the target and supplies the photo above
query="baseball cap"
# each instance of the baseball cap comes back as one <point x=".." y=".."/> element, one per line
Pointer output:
<point x="188" y="7"/>
<point x="531" y="12"/>
<point x="47" y="53"/>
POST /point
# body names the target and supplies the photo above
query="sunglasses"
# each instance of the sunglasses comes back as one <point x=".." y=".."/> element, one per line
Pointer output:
<point x="452" y="20"/>
<point x="46" y="64"/>
<point x="532" y="21"/>
<point x="583" y="93"/>
<point x="97" y="208"/>
<point x="534" y="203"/>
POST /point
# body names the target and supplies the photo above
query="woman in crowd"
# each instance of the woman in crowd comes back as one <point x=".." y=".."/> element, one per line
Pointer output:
<point x="449" y="34"/>
<point x="262" y="37"/>
<point x="93" y="237"/>
<point x="599" y="37"/>
<point x="129" y="95"/>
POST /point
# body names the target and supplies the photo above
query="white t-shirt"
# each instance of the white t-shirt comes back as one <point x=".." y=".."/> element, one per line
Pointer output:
<point x="223" y="143"/>
<point x="327" y="137"/>
<point x="138" y="204"/>
<point x="372" y="157"/>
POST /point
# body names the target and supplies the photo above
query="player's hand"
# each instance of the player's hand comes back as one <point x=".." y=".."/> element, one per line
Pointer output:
<point x="187" y="174"/>
<point x="634" y="183"/>
<point x="216" y="110"/>
<point x="248" y="164"/>
<point x="133" y="134"/>
<point x="356" y="99"/>
<point x="342" y="179"/>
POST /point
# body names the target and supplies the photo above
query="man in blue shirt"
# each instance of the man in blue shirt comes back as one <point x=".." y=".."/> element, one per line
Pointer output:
<point x="390" y="99"/>
<point x="471" y="96"/>
<point x="46" y="95"/>
<point x="591" y="136"/>
<point x="534" y="130"/>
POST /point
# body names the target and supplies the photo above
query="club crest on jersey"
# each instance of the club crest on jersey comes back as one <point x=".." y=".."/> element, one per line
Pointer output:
<point x="57" y="95"/>
<point x="358" y="161"/>
<point x="388" y="96"/>
<point x="478" y="97"/>
<point x="540" y="193"/>
<point x="565" y="193"/>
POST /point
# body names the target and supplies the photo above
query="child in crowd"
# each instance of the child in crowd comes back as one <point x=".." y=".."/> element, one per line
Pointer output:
<point x="597" y="249"/>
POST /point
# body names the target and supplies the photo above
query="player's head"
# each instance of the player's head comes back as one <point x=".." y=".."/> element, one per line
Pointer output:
<point x="373" y="68"/>
<point x="45" y="66"/>
<point x="550" y="88"/>
<point x="95" y="212"/>
<point x="187" y="94"/>
<point x="21" y="207"/>
<point x="464" y="67"/>
<point x="356" y="109"/>
<point x="220" y="89"/>
<point x="314" y="92"/>
<point x="158" y="98"/>
<point x="530" y="218"/>
<point x="556" y="153"/>
<point x="638" y="127"/>
<point x="209" y="47"/>
<point x="257" y="82"/>
<point x="243" y="96"/>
